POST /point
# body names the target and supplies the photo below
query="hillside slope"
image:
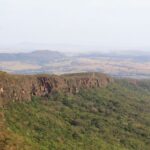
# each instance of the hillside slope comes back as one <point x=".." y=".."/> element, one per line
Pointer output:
<point x="111" y="117"/>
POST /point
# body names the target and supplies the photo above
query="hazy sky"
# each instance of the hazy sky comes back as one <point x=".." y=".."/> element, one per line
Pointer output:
<point x="74" y="24"/>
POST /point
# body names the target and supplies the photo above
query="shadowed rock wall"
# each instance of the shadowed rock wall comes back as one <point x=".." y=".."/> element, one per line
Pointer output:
<point x="23" y="87"/>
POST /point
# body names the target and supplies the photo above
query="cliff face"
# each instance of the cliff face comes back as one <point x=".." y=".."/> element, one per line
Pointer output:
<point x="23" y="87"/>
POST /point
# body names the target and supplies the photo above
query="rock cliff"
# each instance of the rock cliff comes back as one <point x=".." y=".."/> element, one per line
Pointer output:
<point x="23" y="87"/>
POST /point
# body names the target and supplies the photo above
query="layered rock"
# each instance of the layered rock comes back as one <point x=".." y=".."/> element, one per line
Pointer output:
<point x="23" y="87"/>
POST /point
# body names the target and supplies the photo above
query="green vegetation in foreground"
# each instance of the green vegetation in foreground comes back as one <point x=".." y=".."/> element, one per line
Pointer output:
<point x="112" y="118"/>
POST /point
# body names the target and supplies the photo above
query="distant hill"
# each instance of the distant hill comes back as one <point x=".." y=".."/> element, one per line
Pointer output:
<point x="38" y="57"/>
<point x="133" y="55"/>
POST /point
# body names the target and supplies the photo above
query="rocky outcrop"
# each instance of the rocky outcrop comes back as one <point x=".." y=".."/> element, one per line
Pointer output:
<point x="23" y="87"/>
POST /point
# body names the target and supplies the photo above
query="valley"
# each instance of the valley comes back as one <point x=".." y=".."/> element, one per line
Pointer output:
<point x="52" y="62"/>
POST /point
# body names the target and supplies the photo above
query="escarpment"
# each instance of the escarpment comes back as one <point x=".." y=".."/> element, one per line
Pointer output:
<point x="23" y="87"/>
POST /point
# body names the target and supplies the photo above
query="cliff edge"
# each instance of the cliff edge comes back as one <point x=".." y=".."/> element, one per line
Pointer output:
<point x="23" y="87"/>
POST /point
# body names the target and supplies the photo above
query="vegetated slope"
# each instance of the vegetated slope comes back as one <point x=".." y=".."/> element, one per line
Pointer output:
<point x="116" y="116"/>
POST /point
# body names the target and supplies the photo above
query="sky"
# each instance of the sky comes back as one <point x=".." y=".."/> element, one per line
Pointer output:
<point x="74" y="25"/>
